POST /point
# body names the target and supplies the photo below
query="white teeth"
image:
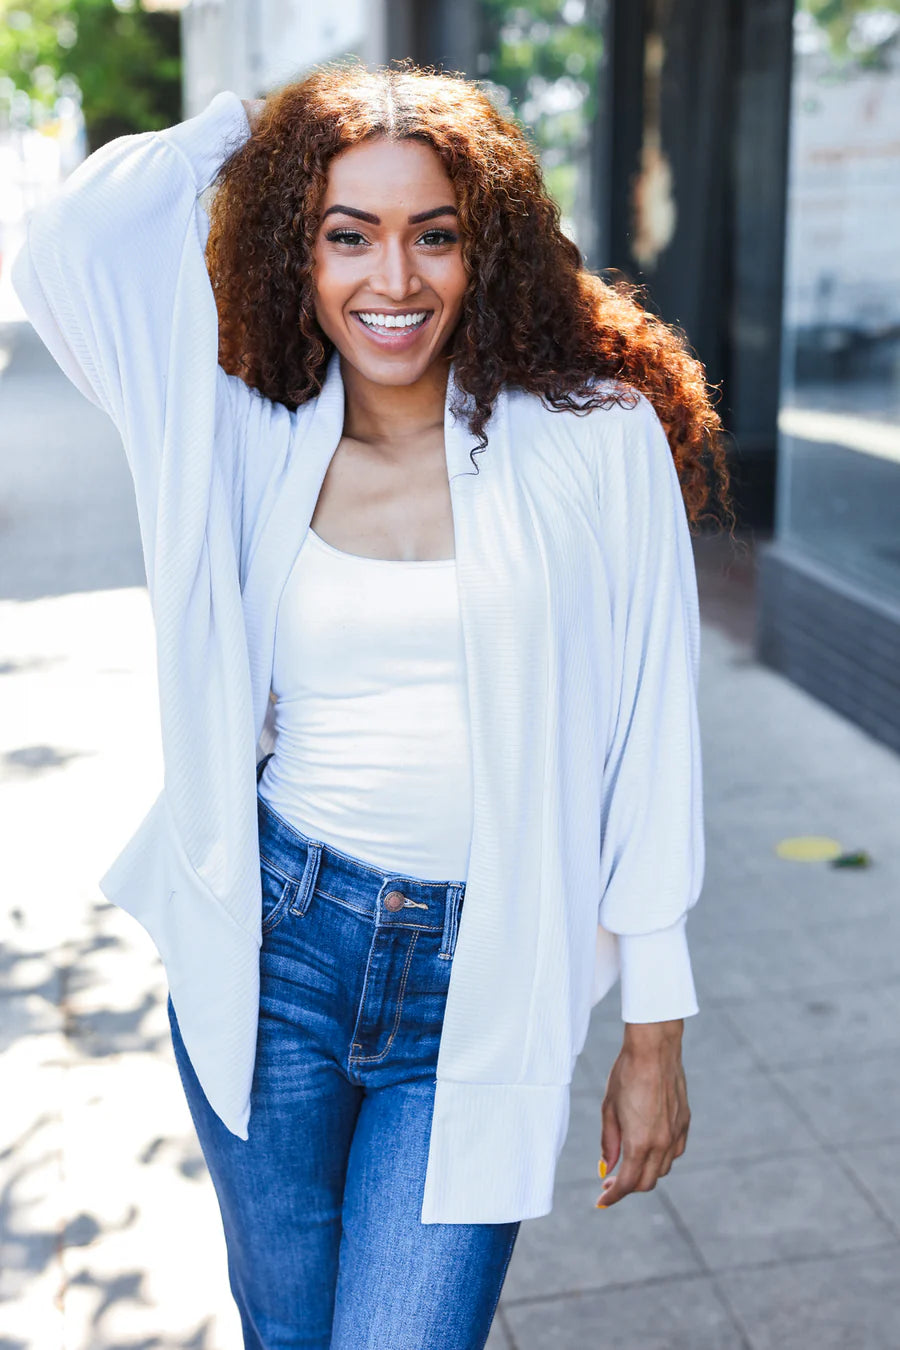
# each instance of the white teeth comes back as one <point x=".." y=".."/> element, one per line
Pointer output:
<point x="394" y="320"/>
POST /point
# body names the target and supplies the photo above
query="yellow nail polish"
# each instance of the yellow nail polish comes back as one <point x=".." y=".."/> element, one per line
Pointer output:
<point x="601" y="1168"/>
<point x="599" y="1206"/>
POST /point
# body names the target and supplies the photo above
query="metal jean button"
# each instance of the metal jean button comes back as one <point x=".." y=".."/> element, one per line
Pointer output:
<point x="394" y="900"/>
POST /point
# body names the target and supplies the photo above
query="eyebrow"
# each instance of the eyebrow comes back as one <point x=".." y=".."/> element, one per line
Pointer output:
<point x="375" y="220"/>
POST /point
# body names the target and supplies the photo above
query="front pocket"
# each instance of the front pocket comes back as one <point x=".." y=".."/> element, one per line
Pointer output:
<point x="276" y="891"/>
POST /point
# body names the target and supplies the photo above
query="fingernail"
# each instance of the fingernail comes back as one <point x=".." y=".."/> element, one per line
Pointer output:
<point x="599" y="1206"/>
<point x="601" y="1167"/>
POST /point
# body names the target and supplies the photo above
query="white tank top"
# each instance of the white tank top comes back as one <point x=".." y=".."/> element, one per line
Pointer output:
<point x="372" y="749"/>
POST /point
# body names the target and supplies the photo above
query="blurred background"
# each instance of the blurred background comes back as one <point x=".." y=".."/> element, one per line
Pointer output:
<point x="741" y="159"/>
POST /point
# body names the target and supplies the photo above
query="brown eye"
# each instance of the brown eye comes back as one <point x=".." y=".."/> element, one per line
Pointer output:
<point x="433" y="238"/>
<point x="350" y="237"/>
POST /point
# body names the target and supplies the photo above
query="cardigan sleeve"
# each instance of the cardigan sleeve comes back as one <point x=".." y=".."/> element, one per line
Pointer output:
<point x="652" y="842"/>
<point x="98" y="274"/>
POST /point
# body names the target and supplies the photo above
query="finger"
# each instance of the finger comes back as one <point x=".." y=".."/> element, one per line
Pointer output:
<point x="665" y="1165"/>
<point x="650" y="1172"/>
<point x="674" y="1150"/>
<point x="614" y="1188"/>
<point x="610" y="1136"/>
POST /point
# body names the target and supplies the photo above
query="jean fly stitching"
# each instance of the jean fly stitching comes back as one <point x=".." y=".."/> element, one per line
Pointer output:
<point x="372" y="1059"/>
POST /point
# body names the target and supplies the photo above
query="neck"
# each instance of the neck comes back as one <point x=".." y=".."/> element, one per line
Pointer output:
<point x="394" y="417"/>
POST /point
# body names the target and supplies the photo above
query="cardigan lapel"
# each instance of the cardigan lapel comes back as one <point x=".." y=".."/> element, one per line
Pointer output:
<point x="507" y="620"/>
<point x="314" y="442"/>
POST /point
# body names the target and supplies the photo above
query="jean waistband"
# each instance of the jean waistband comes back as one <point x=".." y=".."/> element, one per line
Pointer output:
<point x="387" y="897"/>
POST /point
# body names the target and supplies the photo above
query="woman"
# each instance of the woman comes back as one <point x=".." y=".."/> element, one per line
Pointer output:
<point x="426" y="616"/>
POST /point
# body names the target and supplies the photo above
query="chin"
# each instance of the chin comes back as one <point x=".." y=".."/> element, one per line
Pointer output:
<point x="388" y="372"/>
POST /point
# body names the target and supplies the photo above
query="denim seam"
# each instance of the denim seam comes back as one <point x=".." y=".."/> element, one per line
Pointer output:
<point x="367" y="914"/>
<point x="371" y="1059"/>
<point x="307" y="884"/>
<point x="502" y="1280"/>
<point x="278" y="911"/>
<point x="452" y="903"/>
<point x="345" y="904"/>
<point x="263" y="858"/>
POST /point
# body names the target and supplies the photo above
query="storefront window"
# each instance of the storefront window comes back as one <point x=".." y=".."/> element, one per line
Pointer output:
<point x="544" y="61"/>
<point x="839" y="423"/>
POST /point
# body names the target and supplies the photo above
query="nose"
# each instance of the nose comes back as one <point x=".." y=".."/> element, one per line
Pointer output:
<point x="396" y="278"/>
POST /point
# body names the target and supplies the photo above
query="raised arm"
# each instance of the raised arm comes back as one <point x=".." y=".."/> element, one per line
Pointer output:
<point x="652" y="854"/>
<point x="108" y="263"/>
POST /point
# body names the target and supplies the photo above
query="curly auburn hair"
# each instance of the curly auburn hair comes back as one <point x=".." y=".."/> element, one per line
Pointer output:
<point x="533" y="316"/>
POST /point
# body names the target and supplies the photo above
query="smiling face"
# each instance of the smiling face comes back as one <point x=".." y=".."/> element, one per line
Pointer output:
<point x="389" y="274"/>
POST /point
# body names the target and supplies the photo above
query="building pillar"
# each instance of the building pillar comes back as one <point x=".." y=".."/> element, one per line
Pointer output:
<point x="437" y="33"/>
<point x="697" y="162"/>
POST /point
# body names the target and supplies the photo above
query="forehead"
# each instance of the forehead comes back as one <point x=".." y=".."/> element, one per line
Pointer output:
<point x="379" y="174"/>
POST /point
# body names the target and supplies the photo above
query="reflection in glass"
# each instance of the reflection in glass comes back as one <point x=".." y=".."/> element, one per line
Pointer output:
<point x="839" y="424"/>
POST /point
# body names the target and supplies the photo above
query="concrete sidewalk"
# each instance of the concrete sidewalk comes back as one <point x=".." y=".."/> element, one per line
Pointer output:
<point x="780" y="1225"/>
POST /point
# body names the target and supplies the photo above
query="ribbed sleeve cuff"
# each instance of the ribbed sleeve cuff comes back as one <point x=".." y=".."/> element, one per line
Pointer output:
<point x="207" y="139"/>
<point x="656" y="976"/>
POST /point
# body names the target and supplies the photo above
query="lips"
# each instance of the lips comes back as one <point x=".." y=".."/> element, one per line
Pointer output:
<point x="393" y="339"/>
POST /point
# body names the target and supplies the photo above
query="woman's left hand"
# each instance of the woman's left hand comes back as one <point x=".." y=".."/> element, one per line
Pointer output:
<point x="645" y="1109"/>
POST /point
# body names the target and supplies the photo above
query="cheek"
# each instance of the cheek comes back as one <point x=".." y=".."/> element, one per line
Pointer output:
<point x="451" y="282"/>
<point x="326" y="286"/>
<point x="335" y="280"/>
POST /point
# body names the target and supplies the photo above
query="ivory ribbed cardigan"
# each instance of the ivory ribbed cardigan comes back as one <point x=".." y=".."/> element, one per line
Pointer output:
<point x="579" y="610"/>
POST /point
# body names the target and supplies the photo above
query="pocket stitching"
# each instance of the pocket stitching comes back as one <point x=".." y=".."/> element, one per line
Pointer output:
<point x="278" y="910"/>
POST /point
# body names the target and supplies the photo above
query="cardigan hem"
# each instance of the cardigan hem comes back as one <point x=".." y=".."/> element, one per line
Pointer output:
<point x="218" y="1017"/>
<point x="493" y="1151"/>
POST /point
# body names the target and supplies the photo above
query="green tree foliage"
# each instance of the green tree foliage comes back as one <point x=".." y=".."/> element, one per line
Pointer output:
<point x="546" y="56"/>
<point x="541" y="42"/>
<point x="859" y="31"/>
<point x="125" y="60"/>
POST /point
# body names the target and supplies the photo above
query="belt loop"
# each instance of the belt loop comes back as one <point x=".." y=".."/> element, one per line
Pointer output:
<point x="451" y="921"/>
<point x="310" y="875"/>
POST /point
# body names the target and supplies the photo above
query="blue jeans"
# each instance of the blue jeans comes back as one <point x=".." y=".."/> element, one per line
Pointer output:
<point x="321" y="1204"/>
